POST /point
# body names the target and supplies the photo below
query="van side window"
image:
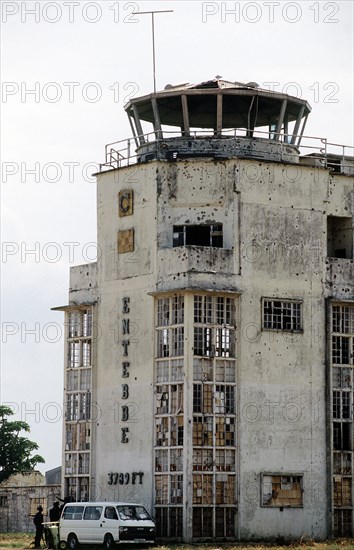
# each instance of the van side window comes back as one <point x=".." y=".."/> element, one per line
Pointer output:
<point x="73" y="512"/>
<point x="93" y="512"/>
<point x="110" y="513"/>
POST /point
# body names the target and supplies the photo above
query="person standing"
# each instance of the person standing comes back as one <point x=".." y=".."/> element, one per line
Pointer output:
<point x="54" y="513"/>
<point x="38" y="521"/>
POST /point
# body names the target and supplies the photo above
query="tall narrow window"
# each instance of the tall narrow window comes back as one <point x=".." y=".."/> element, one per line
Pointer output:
<point x="341" y="359"/>
<point x="78" y="403"/>
<point x="214" y="416"/>
<point x="169" y="415"/>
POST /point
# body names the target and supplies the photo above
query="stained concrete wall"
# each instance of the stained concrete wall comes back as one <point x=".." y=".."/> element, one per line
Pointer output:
<point x="16" y="495"/>
<point x="274" y="218"/>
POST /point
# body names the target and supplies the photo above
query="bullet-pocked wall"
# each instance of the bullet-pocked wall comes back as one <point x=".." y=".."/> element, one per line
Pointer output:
<point x="211" y="351"/>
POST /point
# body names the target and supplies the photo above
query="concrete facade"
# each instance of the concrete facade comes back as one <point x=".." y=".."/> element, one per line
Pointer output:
<point x="207" y="347"/>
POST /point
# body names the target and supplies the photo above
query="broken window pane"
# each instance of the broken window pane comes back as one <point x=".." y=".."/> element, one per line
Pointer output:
<point x="281" y="315"/>
<point x="340" y="350"/>
<point x="198" y="235"/>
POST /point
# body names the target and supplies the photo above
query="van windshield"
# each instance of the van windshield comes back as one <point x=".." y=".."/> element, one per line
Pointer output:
<point x="133" y="512"/>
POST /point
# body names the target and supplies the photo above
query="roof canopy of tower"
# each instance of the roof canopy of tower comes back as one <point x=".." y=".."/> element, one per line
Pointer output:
<point x="216" y="103"/>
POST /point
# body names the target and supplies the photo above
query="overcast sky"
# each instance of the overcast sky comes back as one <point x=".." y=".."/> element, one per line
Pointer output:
<point x="67" y="70"/>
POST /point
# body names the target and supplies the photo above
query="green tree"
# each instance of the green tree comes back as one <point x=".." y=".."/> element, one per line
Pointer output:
<point x="15" y="450"/>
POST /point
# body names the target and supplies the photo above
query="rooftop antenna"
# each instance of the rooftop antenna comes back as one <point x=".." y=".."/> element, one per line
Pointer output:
<point x="153" y="37"/>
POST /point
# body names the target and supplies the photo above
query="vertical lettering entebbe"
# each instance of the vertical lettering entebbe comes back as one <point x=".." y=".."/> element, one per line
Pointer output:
<point x="125" y="366"/>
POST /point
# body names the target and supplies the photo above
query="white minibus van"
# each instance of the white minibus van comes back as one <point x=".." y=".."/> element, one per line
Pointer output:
<point x="105" y="523"/>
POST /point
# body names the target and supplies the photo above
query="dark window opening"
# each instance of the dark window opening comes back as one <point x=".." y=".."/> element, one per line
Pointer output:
<point x="343" y="523"/>
<point x="340" y="350"/>
<point x="281" y="315"/>
<point x="202" y="522"/>
<point x="198" y="235"/>
<point x="339" y="237"/>
<point x="334" y="164"/>
<point x="342" y="436"/>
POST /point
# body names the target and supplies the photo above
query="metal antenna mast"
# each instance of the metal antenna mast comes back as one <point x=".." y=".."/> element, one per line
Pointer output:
<point x="152" y="13"/>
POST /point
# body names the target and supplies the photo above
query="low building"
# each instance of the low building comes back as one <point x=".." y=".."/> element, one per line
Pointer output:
<point x="21" y="494"/>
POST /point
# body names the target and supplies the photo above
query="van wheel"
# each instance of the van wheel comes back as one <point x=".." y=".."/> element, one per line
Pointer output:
<point x="72" y="543"/>
<point x="108" y="542"/>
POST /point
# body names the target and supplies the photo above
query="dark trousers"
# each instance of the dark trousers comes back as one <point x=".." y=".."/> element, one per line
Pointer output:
<point x="38" y="537"/>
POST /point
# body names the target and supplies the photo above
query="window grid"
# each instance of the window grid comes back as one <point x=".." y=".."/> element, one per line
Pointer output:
<point x="213" y="399"/>
<point x="342" y="463"/>
<point x="170" y="311"/>
<point x="176" y="489"/>
<point x="161" y="460"/>
<point x="214" y="404"/>
<point x="342" y="405"/>
<point x="342" y="363"/>
<point x="176" y="460"/>
<point x="79" y="354"/>
<point x="205" y="370"/>
<point x="169" y="488"/>
<point x="342" y="492"/>
<point x="282" y="315"/>
<point x="214" y="330"/>
<point x="35" y="502"/>
<point x="169" y="399"/>
<point x="342" y="523"/>
<point x="169" y="521"/>
<point x="214" y="408"/>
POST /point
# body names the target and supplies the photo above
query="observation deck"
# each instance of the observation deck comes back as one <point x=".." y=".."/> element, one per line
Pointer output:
<point x="221" y="120"/>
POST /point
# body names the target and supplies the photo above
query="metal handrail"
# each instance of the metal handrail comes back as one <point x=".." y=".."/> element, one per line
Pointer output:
<point x="121" y="153"/>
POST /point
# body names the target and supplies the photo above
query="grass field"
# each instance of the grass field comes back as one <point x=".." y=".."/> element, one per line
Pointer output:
<point x="25" y="540"/>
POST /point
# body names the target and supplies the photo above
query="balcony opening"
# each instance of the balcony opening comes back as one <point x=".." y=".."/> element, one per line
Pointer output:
<point x="339" y="237"/>
<point x="198" y="235"/>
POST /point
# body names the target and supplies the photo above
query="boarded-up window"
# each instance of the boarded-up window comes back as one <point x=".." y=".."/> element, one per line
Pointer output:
<point x="279" y="490"/>
<point x="35" y="502"/>
<point x="342" y="491"/>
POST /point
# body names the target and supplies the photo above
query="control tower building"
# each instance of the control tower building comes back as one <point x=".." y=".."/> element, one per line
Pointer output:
<point x="209" y="363"/>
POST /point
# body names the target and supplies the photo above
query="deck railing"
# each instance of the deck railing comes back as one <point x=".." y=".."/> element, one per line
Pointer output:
<point x="337" y="157"/>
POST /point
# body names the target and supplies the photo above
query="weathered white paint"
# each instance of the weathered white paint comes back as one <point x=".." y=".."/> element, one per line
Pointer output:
<point x="274" y="223"/>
